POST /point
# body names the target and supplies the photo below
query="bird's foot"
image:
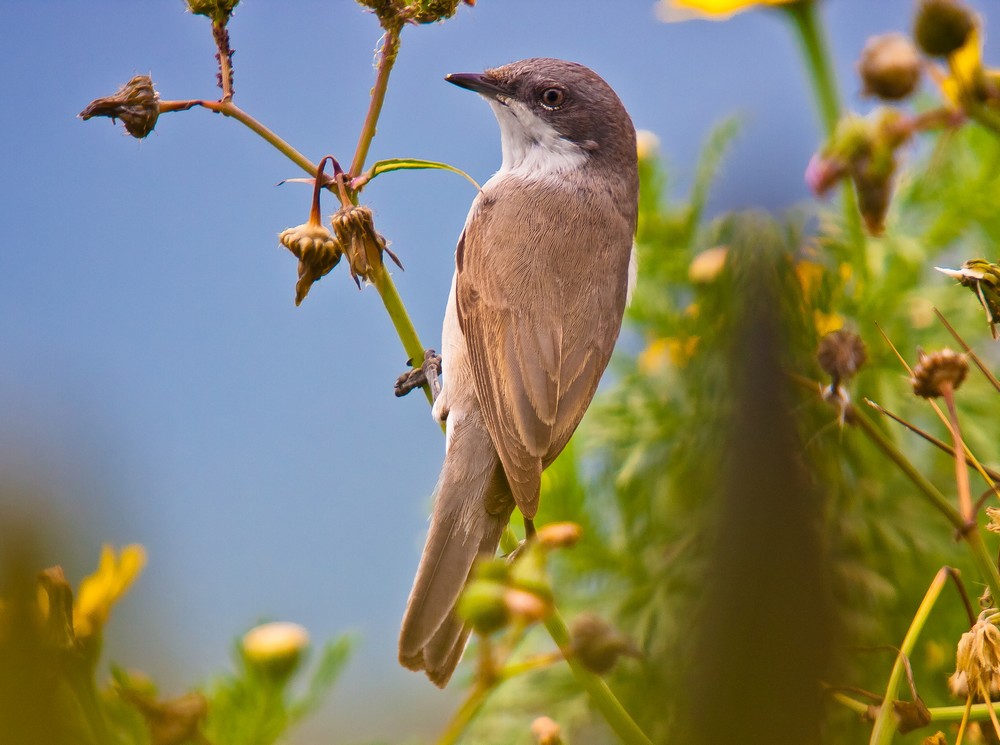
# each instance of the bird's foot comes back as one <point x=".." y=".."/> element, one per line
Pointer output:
<point x="522" y="546"/>
<point x="429" y="373"/>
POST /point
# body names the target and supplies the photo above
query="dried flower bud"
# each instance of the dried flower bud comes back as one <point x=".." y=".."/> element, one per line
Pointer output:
<point x="355" y="229"/>
<point x="977" y="659"/>
<point x="429" y="11"/>
<point x="993" y="513"/>
<point x="937" y="738"/>
<point x="172" y="722"/>
<point x="484" y="606"/>
<point x="546" y="731"/>
<point x="841" y="354"/>
<point x="275" y="649"/>
<point x="983" y="278"/>
<point x="889" y="67"/>
<point x="316" y="249"/>
<point x="598" y="645"/>
<point x="136" y="103"/>
<point x="559" y="535"/>
<point x="942" y="26"/>
<point x="911" y="715"/>
<point x="218" y="10"/>
<point x="936" y="370"/>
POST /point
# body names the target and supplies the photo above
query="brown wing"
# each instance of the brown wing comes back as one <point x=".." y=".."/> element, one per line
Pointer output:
<point x="540" y="303"/>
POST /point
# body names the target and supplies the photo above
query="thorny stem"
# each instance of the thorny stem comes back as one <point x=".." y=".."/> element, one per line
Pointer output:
<point x="885" y="723"/>
<point x="225" y="57"/>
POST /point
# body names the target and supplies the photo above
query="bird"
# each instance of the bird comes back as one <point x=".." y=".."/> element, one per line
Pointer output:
<point x="543" y="269"/>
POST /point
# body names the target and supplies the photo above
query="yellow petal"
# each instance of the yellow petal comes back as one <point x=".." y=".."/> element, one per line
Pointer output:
<point x="682" y="10"/>
<point x="706" y="266"/>
<point x="827" y="322"/>
<point x="810" y="276"/>
<point x="102" y="589"/>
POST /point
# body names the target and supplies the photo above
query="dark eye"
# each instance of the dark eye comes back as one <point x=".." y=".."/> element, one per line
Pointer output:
<point x="552" y="98"/>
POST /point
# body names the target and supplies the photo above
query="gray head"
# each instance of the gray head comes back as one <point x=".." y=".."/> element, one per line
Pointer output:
<point x="555" y="116"/>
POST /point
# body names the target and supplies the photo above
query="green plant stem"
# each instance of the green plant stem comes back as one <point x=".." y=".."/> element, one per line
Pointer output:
<point x="816" y="54"/>
<point x="466" y="713"/>
<point x="605" y="701"/>
<point x="987" y="567"/>
<point x="885" y="723"/>
<point x="387" y="58"/>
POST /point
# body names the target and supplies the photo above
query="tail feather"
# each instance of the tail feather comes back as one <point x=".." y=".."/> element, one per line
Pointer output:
<point x="472" y="505"/>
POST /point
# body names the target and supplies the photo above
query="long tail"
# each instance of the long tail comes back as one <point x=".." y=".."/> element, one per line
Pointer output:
<point x="472" y="504"/>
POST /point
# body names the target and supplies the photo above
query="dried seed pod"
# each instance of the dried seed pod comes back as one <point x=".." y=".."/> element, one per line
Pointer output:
<point x="355" y="229"/>
<point x="977" y="659"/>
<point x="317" y="250"/>
<point x="598" y="645"/>
<point x="889" y="67"/>
<point x="136" y="104"/>
<point x="937" y="369"/>
<point x="841" y="354"/>
<point x="941" y="27"/>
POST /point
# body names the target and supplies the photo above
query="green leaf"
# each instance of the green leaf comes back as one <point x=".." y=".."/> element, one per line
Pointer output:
<point x="413" y="164"/>
<point x="331" y="662"/>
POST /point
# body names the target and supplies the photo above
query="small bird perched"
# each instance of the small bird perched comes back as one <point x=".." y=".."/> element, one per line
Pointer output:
<point x="542" y="272"/>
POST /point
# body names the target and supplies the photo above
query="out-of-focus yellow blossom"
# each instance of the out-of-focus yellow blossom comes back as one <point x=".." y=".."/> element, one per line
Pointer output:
<point x="965" y="66"/>
<point x="682" y="10"/>
<point x="707" y="265"/>
<point x="105" y="587"/>
<point x="647" y="144"/>
<point x="669" y="350"/>
<point x="810" y="276"/>
<point x="827" y="322"/>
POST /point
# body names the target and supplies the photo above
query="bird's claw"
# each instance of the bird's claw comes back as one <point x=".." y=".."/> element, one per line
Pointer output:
<point x="429" y="373"/>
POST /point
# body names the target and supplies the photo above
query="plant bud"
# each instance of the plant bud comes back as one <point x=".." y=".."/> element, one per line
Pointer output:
<point x="977" y="660"/>
<point x="217" y="10"/>
<point x="708" y="265"/>
<point x="526" y="606"/>
<point x="942" y="26"/>
<point x="546" y="731"/>
<point x="429" y="11"/>
<point x="647" y="144"/>
<point x="938" y="369"/>
<point x="136" y="103"/>
<point x="484" y="606"/>
<point x="559" y="535"/>
<point x="598" y="645"/>
<point x="316" y="249"/>
<point x="355" y="229"/>
<point x="275" y="649"/>
<point x="889" y="67"/>
<point x="841" y="354"/>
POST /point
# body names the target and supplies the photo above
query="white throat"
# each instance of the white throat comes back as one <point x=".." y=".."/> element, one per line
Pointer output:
<point x="532" y="148"/>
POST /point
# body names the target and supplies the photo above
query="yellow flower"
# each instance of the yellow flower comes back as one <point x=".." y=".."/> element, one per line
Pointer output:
<point x="966" y="70"/>
<point x="708" y="264"/>
<point x="682" y="10"/>
<point x="103" y="588"/>
<point x="827" y="323"/>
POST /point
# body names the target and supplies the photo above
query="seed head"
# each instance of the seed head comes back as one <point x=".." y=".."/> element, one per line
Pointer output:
<point x="217" y="10"/>
<point x="977" y="659"/>
<point x="546" y="731"/>
<point x="598" y="645"/>
<point x="317" y="250"/>
<point x="889" y="67"/>
<point x="841" y="354"/>
<point x="136" y="103"/>
<point x="941" y="27"/>
<point x="355" y="229"/>
<point x="938" y="369"/>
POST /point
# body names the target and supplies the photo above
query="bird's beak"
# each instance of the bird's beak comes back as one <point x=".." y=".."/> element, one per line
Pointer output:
<point x="478" y="82"/>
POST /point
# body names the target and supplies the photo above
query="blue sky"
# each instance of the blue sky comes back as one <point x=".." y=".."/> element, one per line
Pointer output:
<point x="157" y="383"/>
